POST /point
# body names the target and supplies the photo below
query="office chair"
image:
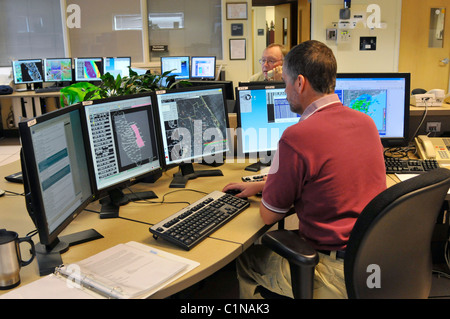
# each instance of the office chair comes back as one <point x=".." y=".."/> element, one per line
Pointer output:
<point x="393" y="233"/>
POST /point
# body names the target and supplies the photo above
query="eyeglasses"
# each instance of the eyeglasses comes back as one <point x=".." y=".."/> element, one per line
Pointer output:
<point x="270" y="62"/>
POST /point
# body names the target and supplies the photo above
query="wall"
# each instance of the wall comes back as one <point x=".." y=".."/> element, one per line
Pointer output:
<point x="325" y="14"/>
<point x="415" y="56"/>
<point x="237" y="70"/>
<point x="259" y="17"/>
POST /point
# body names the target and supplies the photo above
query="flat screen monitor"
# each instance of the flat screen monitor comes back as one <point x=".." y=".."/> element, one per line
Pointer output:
<point x="193" y="124"/>
<point x="58" y="70"/>
<point x="57" y="182"/>
<point x="88" y="69"/>
<point x="116" y="66"/>
<point x="263" y="113"/>
<point x="228" y="86"/>
<point x="123" y="147"/>
<point x="28" y="71"/>
<point x="176" y="65"/>
<point x="383" y="96"/>
<point x="259" y="83"/>
<point x="203" y="67"/>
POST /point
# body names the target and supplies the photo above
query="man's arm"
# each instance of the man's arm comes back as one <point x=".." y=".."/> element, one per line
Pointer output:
<point x="268" y="216"/>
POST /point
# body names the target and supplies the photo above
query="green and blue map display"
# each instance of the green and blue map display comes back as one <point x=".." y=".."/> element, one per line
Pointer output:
<point x="370" y="102"/>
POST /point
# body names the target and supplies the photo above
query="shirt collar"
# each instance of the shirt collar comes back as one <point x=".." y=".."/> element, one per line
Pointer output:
<point x="318" y="104"/>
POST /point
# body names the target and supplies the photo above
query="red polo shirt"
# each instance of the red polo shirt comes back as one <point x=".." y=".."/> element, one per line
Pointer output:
<point x="328" y="166"/>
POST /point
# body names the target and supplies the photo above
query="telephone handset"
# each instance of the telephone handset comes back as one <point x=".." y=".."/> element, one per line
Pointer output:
<point x="433" y="148"/>
<point x="425" y="147"/>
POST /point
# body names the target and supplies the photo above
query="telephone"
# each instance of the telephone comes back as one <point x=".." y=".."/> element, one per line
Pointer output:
<point x="433" y="97"/>
<point x="437" y="148"/>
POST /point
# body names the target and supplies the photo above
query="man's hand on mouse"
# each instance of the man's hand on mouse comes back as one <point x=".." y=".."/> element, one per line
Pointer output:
<point x="247" y="189"/>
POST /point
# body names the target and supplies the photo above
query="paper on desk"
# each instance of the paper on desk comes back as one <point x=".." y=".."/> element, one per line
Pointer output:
<point x="404" y="177"/>
<point x="49" y="287"/>
<point x="129" y="270"/>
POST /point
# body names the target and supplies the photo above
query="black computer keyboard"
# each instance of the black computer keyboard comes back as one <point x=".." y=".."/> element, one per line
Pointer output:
<point x="254" y="178"/>
<point x="409" y="166"/>
<point x="48" y="89"/>
<point x="189" y="226"/>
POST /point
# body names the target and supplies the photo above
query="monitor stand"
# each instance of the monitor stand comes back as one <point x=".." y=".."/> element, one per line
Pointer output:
<point x="259" y="165"/>
<point x="49" y="256"/>
<point x="116" y="198"/>
<point x="187" y="172"/>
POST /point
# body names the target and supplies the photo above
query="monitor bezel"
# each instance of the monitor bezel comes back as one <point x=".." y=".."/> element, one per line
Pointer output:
<point x="197" y="77"/>
<point x="259" y="83"/>
<point x="77" y="79"/>
<point x="27" y="82"/>
<point x="102" y="192"/>
<point x="390" y="141"/>
<point x="44" y="61"/>
<point x="252" y="86"/>
<point x="33" y="195"/>
<point x="158" y="119"/>
<point x="188" y="59"/>
<point x="229" y="87"/>
<point x="115" y="57"/>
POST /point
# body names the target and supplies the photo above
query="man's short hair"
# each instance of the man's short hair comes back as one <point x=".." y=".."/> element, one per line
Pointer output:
<point x="283" y="49"/>
<point x="315" y="61"/>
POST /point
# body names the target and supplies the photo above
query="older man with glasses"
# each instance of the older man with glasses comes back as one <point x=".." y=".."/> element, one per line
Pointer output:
<point x="271" y="64"/>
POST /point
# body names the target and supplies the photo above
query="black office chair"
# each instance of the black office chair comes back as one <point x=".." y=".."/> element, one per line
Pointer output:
<point x="393" y="232"/>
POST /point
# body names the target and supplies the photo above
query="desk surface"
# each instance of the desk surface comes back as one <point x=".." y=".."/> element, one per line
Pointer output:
<point x="29" y="94"/>
<point x="432" y="110"/>
<point x="220" y="248"/>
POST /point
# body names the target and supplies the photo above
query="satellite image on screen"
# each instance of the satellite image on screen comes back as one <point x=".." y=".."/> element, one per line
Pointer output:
<point x="370" y="102"/>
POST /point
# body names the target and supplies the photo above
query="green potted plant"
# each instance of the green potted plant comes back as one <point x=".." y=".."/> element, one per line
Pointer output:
<point x="110" y="86"/>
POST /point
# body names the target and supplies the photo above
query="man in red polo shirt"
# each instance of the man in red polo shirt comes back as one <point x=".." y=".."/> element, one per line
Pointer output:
<point x="328" y="167"/>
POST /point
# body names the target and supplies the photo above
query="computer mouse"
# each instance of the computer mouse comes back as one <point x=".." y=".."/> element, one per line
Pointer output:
<point x="234" y="192"/>
<point x="2" y="192"/>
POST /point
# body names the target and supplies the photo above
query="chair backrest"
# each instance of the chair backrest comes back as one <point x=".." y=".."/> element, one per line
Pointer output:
<point x="389" y="251"/>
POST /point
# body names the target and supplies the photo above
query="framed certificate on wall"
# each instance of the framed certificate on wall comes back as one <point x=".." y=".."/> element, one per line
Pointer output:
<point x="236" y="10"/>
<point x="237" y="49"/>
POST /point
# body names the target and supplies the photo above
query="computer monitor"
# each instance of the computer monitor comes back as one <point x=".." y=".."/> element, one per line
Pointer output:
<point x="203" y="67"/>
<point x="28" y="72"/>
<point x="123" y="147"/>
<point x="58" y="70"/>
<point x="383" y="96"/>
<point x="193" y="124"/>
<point x="228" y="86"/>
<point x="116" y="66"/>
<point x="263" y="113"/>
<point x="88" y="69"/>
<point x="259" y="83"/>
<point x="56" y="180"/>
<point x="177" y="65"/>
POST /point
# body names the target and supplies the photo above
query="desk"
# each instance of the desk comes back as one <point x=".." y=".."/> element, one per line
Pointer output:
<point x="43" y="102"/>
<point x="220" y="248"/>
<point x="434" y="114"/>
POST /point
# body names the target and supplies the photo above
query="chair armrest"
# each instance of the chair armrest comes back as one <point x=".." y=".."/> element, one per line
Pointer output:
<point x="302" y="258"/>
<point x="290" y="245"/>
